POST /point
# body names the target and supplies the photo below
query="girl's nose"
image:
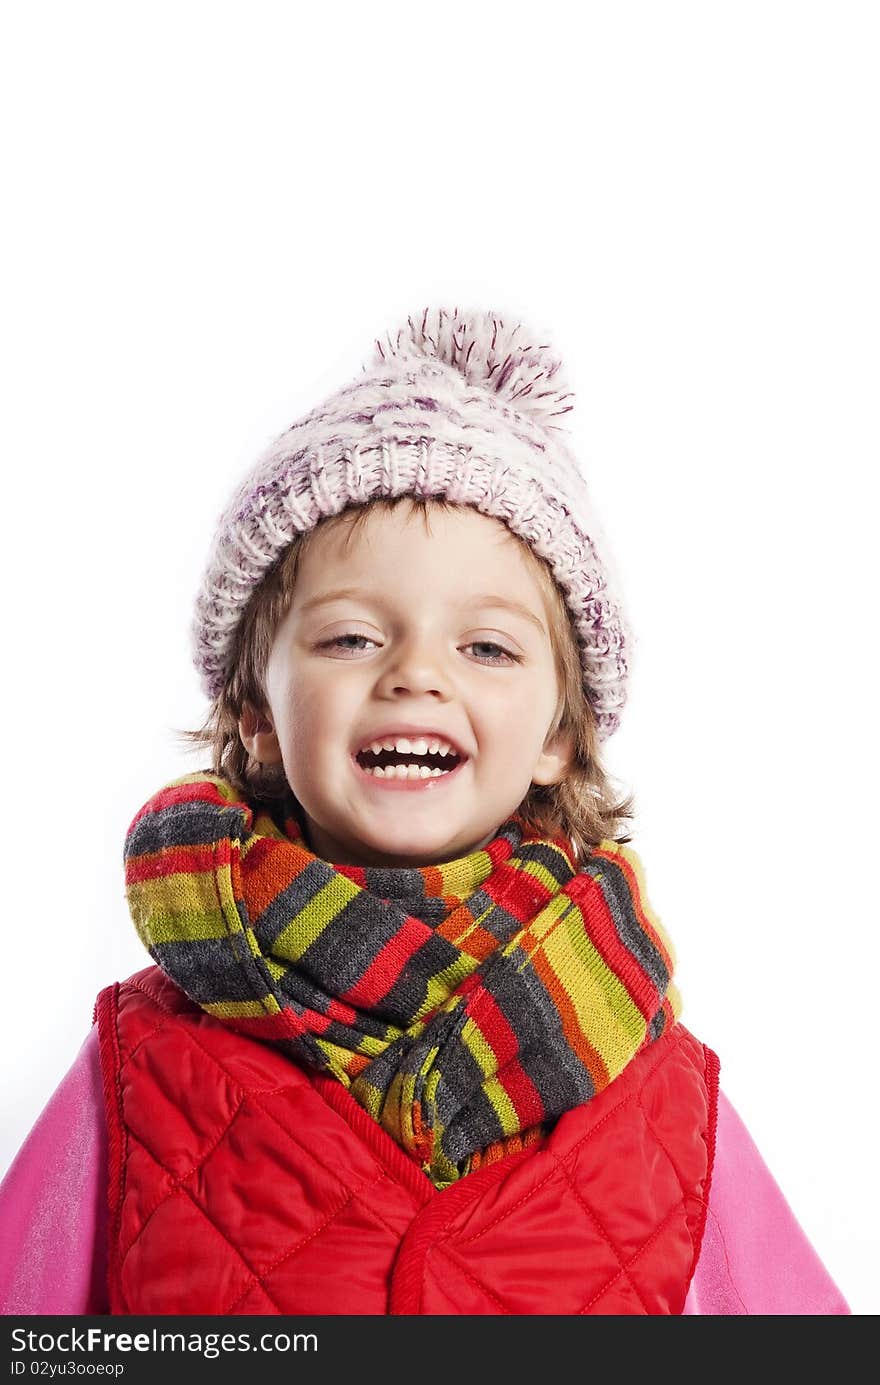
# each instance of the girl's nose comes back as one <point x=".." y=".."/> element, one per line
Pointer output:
<point x="417" y="665"/>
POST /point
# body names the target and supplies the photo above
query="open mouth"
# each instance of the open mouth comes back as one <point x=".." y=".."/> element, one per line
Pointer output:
<point x="395" y="764"/>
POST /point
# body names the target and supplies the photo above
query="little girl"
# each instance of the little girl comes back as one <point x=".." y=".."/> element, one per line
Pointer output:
<point x="410" y="1042"/>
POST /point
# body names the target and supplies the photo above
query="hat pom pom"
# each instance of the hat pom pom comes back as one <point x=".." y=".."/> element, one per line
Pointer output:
<point x="496" y="353"/>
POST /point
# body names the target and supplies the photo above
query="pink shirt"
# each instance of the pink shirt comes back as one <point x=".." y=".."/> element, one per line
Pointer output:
<point x="754" y="1260"/>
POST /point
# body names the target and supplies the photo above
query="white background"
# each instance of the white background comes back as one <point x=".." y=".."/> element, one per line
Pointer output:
<point x="211" y="212"/>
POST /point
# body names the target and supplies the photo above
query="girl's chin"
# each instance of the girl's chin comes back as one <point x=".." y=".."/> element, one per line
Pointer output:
<point x="409" y="853"/>
<point x="402" y="850"/>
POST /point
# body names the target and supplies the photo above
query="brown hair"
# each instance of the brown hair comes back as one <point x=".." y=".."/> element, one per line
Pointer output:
<point x="582" y="806"/>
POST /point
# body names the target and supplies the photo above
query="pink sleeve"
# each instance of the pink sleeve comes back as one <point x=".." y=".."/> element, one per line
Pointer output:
<point x="755" y="1259"/>
<point x="53" y="1202"/>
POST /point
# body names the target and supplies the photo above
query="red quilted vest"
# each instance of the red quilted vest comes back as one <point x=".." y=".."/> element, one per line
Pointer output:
<point x="243" y="1183"/>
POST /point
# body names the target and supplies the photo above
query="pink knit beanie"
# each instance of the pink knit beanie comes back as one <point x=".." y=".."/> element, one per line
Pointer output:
<point x="463" y="405"/>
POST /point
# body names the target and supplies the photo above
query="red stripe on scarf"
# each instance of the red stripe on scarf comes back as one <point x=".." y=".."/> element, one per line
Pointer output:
<point x="343" y="1013"/>
<point x="517" y="891"/>
<point x="286" y="1025"/>
<point x="171" y="860"/>
<point x="356" y="874"/>
<point x="523" y="1093"/>
<point x="199" y="791"/>
<point x="495" y="1028"/>
<point x="387" y="966"/>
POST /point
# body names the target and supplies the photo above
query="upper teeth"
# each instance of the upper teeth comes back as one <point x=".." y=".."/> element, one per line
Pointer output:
<point x="404" y="746"/>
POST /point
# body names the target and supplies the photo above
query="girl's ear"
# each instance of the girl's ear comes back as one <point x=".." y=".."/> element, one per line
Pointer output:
<point x="258" y="736"/>
<point x="555" y="758"/>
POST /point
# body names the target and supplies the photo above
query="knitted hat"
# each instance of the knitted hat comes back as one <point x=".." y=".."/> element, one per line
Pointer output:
<point x="456" y="404"/>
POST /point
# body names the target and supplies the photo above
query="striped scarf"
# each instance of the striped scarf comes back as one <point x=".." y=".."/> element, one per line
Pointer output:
<point x="465" y="1006"/>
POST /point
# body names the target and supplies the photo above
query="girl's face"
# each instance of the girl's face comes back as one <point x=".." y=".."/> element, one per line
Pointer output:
<point x="405" y="632"/>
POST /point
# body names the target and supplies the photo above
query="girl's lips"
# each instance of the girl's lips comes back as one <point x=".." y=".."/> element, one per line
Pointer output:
<point x="408" y="785"/>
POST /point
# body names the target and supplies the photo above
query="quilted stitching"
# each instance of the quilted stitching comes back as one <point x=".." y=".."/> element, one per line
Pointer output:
<point x="179" y="1183"/>
<point x="288" y="1254"/>
<point x="447" y="1252"/>
<point x="260" y="1276"/>
<point x="626" y="1269"/>
<point x="175" y="1185"/>
<point x="593" y="1216"/>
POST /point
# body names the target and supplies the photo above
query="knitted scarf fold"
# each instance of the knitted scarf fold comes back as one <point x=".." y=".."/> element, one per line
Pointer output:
<point x="465" y="1005"/>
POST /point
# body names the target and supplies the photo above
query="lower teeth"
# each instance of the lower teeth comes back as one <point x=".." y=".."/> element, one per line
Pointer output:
<point x="405" y="772"/>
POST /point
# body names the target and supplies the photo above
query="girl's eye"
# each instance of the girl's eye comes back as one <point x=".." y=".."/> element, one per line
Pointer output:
<point x="489" y="644"/>
<point x="339" y="641"/>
